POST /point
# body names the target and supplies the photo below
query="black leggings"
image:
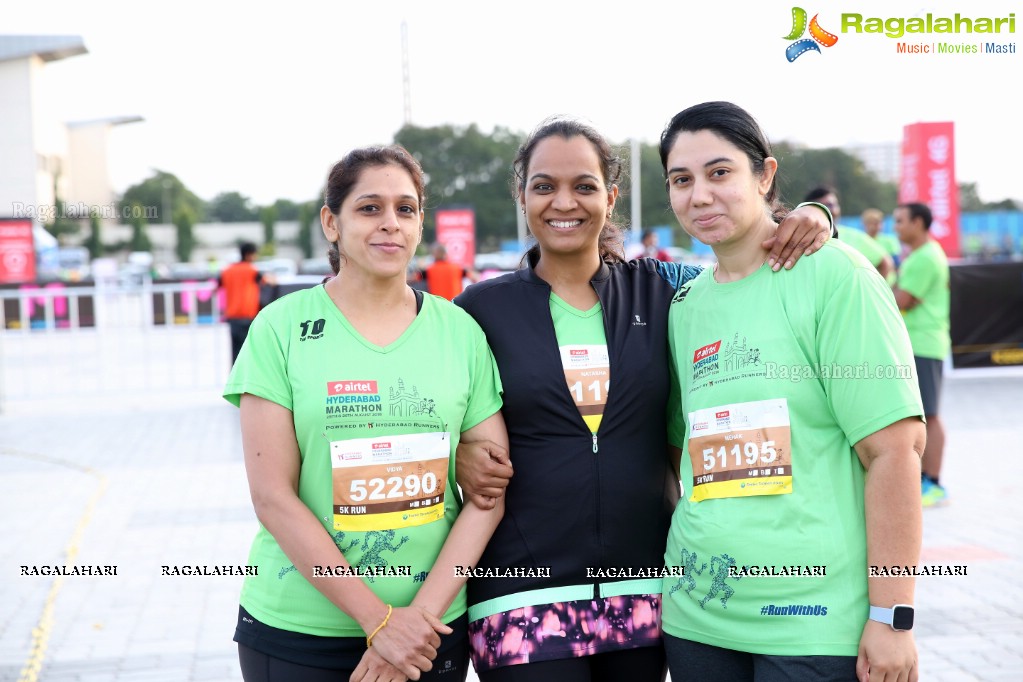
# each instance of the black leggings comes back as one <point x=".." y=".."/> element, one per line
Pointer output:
<point x="695" y="661"/>
<point x="635" y="665"/>
<point x="449" y="666"/>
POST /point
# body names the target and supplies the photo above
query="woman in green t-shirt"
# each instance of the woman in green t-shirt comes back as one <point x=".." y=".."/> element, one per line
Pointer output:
<point x="798" y="437"/>
<point x="353" y="396"/>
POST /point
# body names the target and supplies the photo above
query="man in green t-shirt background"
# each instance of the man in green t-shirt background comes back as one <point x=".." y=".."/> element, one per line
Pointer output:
<point x="873" y="220"/>
<point x="922" y="294"/>
<point x="858" y="239"/>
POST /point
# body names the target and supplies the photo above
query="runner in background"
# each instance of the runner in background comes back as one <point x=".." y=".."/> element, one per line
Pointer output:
<point x="858" y="239"/>
<point x="651" y="248"/>
<point x="873" y="221"/>
<point x="241" y="282"/>
<point x="444" y="278"/>
<point x="922" y="293"/>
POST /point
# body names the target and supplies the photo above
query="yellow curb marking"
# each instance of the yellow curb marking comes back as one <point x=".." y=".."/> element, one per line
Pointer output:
<point x="41" y="632"/>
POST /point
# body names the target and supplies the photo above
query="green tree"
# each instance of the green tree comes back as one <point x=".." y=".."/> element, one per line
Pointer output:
<point x="231" y="207"/>
<point x="158" y="197"/>
<point x="467" y="167"/>
<point x="268" y="216"/>
<point x="139" y="237"/>
<point x="94" y="240"/>
<point x="286" y="209"/>
<point x="184" y="221"/>
<point x="802" y="169"/>
<point x="305" y="229"/>
<point x="970" y="201"/>
<point x="62" y="225"/>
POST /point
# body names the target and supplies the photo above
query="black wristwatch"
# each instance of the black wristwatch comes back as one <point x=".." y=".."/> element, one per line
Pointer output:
<point x="899" y="617"/>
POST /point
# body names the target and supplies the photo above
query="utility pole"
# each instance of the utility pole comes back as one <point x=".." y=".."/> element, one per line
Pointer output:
<point x="405" y="79"/>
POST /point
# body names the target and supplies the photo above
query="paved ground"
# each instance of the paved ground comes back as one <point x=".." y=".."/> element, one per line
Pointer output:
<point x="136" y="479"/>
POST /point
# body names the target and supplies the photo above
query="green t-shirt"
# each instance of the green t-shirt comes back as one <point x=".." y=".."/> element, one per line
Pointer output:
<point x="862" y="242"/>
<point x="889" y="243"/>
<point x="780" y="375"/>
<point x="377" y="429"/>
<point x="924" y="275"/>
<point x="583" y="345"/>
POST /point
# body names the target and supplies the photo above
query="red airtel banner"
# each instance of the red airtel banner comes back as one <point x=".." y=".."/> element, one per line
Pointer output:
<point x="456" y="230"/>
<point x="928" y="176"/>
<point x="17" y="252"/>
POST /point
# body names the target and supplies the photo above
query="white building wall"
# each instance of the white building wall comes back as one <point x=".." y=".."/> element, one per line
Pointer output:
<point x="50" y="136"/>
<point x="18" y="161"/>
<point x="87" y="170"/>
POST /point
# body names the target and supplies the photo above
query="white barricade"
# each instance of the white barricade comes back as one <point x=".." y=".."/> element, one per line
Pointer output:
<point x="61" y="343"/>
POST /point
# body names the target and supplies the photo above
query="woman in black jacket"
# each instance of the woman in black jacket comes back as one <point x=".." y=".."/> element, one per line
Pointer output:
<point x="569" y="587"/>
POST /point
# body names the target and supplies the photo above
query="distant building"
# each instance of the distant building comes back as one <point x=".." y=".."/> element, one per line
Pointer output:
<point x="881" y="158"/>
<point x="89" y="179"/>
<point x="38" y="151"/>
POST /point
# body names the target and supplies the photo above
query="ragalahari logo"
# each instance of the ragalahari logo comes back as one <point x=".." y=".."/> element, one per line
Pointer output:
<point x="817" y="35"/>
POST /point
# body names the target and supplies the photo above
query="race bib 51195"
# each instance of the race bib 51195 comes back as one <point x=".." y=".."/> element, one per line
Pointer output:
<point x="740" y="450"/>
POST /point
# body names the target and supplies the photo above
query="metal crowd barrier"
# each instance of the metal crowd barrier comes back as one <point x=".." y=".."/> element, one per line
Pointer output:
<point x="133" y="342"/>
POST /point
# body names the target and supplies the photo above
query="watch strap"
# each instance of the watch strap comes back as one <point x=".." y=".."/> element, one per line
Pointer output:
<point x="888" y="616"/>
<point x="882" y="615"/>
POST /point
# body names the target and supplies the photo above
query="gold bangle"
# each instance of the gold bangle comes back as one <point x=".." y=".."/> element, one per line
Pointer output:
<point x="369" y="640"/>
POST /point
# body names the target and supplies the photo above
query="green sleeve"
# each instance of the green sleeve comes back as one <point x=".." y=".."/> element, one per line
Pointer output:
<point x="867" y="367"/>
<point x="485" y="387"/>
<point x="261" y="368"/>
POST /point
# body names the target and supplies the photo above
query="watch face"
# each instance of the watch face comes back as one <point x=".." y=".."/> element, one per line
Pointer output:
<point x="902" y="618"/>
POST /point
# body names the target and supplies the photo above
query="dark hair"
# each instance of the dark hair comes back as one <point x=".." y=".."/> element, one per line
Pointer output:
<point x="246" y="249"/>
<point x="611" y="240"/>
<point x="918" y="210"/>
<point x="819" y="192"/>
<point x="732" y="123"/>
<point x="347" y="171"/>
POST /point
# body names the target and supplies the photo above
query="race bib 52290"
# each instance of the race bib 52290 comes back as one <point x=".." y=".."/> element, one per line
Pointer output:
<point x="389" y="481"/>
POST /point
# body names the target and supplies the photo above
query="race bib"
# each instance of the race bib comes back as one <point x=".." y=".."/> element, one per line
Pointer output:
<point x="741" y="450"/>
<point x="389" y="482"/>
<point x="588" y="373"/>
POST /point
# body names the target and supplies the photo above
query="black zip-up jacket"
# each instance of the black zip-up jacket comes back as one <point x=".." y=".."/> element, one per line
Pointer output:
<point x="577" y="502"/>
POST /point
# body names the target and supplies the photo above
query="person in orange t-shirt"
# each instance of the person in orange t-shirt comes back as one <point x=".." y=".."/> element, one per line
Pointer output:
<point x="240" y="282"/>
<point x="444" y="278"/>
